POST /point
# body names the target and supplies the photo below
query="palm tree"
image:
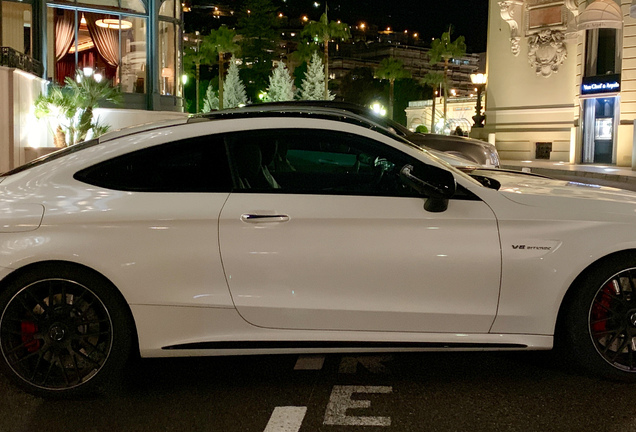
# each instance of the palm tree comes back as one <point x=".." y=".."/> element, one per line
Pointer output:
<point x="324" y="31"/>
<point x="434" y="80"/>
<point x="70" y="109"/>
<point x="223" y="42"/>
<point x="196" y="55"/>
<point x="391" y="69"/>
<point x="443" y="49"/>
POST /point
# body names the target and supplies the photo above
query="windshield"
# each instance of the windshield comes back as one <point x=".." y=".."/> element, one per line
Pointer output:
<point x="434" y="157"/>
<point x="52" y="156"/>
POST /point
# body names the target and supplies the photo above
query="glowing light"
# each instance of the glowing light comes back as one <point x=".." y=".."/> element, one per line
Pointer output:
<point x="113" y="24"/>
<point x="184" y="79"/>
<point x="305" y="18"/>
<point x="378" y="109"/>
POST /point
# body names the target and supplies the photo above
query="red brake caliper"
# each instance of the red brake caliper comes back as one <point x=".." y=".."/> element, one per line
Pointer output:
<point x="600" y="309"/>
<point x="29" y="329"/>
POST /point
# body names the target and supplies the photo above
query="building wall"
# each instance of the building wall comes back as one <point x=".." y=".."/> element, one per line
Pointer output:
<point x="524" y="108"/>
<point x="19" y="128"/>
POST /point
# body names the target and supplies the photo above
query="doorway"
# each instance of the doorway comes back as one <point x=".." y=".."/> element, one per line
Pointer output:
<point x="600" y="119"/>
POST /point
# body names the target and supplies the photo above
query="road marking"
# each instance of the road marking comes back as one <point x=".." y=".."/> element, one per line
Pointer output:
<point x="310" y="362"/>
<point x="374" y="364"/>
<point x="340" y="401"/>
<point x="286" y="419"/>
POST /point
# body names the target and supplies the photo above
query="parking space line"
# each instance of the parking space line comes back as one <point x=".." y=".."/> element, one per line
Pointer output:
<point x="286" y="419"/>
<point x="310" y="362"/>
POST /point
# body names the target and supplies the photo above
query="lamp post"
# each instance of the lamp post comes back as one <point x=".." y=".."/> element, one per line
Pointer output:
<point x="479" y="80"/>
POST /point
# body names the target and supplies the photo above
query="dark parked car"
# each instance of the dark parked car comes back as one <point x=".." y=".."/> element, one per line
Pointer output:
<point x="477" y="151"/>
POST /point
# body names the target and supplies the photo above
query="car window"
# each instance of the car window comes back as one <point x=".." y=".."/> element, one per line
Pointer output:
<point x="316" y="162"/>
<point x="193" y="165"/>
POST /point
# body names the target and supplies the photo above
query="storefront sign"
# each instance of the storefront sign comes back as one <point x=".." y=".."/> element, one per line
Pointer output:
<point x="601" y="85"/>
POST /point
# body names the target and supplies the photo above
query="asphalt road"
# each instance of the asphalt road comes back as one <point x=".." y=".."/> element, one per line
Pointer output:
<point x="469" y="391"/>
<point x="388" y="392"/>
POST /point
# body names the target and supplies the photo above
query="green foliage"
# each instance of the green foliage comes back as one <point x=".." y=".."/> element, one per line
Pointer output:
<point x="421" y="129"/>
<point x="392" y="69"/>
<point x="257" y="25"/>
<point x="234" y="94"/>
<point x="211" y="99"/>
<point x="443" y="50"/>
<point x="223" y="42"/>
<point x="281" y="85"/>
<point x="312" y="87"/>
<point x="359" y="87"/>
<point x="325" y="30"/>
<point x="406" y="90"/>
<point x="69" y="109"/>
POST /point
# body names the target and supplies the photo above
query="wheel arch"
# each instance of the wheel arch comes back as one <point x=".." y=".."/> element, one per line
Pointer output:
<point x="569" y="294"/>
<point x="71" y="267"/>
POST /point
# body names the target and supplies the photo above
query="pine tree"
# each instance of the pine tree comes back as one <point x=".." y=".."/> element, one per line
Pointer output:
<point x="211" y="100"/>
<point x="313" y="85"/>
<point x="281" y="85"/>
<point x="234" y="89"/>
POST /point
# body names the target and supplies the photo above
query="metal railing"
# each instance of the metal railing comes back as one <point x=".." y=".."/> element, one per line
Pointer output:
<point x="9" y="57"/>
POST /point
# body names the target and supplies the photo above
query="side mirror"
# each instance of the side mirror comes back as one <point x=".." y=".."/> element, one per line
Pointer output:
<point x="436" y="183"/>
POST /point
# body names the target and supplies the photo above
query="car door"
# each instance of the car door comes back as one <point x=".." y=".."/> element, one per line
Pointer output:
<point x="326" y="236"/>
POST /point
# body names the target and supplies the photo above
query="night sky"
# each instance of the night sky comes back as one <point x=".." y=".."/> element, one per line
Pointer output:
<point x="429" y="18"/>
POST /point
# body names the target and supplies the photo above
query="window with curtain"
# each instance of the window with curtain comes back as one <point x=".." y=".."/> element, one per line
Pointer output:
<point x="167" y="57"/>
<point x="133" y="56"/>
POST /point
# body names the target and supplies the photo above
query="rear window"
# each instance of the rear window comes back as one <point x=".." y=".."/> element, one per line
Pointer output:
<point x="52" y="156"/>
<point x="192" y="165"/>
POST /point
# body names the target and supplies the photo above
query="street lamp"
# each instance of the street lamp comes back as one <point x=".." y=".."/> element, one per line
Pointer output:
<point x="479" y="80"/>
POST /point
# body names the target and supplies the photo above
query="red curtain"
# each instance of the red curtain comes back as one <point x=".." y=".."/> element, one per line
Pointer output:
<point x="106" y="40"/>
<point x="64" y="32"/>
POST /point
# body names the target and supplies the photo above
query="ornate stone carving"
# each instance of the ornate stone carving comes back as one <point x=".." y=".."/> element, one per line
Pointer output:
<point x="547" y="51"/>
<point x="511" y="12"/>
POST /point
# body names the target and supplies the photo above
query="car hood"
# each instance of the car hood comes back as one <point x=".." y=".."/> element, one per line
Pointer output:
<point x="536" y="190"/>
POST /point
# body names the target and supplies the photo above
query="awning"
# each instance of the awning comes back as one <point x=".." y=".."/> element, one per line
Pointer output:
<point x="602" y="14"/>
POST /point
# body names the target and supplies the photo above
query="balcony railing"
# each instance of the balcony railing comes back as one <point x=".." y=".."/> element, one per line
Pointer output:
<point x="15" y="59"/>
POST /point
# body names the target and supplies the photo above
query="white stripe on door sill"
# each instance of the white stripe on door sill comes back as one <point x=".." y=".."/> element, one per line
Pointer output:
<point x="310" y="362"/>
<point x="286" y="419"/>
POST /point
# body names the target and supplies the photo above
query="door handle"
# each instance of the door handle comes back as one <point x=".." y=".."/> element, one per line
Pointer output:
<point x="259" y="218"/>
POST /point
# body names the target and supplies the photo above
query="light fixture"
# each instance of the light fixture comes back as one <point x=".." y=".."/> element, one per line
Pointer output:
<point x="113" y="24"/>
<point x="479" y="78"/>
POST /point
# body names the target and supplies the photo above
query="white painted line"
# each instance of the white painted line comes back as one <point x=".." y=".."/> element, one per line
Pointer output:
<point x="286" y="419"/>
<point x="310" y="362"/>
<point x="340" y="401"/>
<point x="374" y="364"/>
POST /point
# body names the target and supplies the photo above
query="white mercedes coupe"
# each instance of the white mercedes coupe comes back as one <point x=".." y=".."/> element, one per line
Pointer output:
<point x="299" y="230"/>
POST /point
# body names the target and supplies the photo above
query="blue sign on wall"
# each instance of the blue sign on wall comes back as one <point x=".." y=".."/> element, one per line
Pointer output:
<point x="601" y="85"/>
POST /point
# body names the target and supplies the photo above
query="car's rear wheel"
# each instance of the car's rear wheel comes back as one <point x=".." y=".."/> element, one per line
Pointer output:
<point x="63" y="330"/>
<point x="600" y="321"/>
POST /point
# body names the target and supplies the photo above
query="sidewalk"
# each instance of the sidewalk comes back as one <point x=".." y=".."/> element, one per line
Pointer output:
<point x="608" y="173"/>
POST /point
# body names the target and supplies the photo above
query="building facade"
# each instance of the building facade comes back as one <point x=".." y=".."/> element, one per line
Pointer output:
<point x="562" y="80"/>
<point x="136" y="44"/>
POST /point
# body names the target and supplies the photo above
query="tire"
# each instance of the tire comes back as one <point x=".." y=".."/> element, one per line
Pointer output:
<point x="64" y="330"/>
<point x="599" y="323"/>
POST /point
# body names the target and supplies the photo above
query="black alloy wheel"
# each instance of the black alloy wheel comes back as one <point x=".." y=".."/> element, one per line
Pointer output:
<point x="59" y="335"/>
<point x="612" y="320"/>
<point x="598" y="329"/>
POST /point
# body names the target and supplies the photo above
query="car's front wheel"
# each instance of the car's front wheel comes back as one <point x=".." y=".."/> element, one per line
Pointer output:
<point x="63" y="330"/>
<point x="599" y="330"/>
